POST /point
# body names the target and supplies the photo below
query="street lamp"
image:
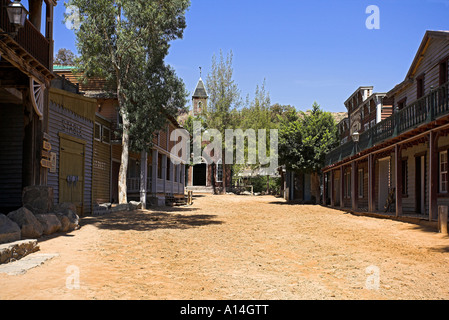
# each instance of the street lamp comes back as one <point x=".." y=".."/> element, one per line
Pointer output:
<point x="356" y="138"/>
<point x="17" y="15"/>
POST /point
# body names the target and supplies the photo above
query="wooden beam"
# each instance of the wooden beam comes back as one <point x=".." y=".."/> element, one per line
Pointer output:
<point x="398" y="179"/>
<point x="433" y="175"/>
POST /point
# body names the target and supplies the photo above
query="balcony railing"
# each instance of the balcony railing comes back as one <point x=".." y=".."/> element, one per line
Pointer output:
<point x="426" y="109"/>
<point x="28" y="37"/>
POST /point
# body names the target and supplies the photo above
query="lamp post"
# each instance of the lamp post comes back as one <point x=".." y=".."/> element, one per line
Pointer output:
<point x="356" y="138"/>
<point x="17" y="15"/>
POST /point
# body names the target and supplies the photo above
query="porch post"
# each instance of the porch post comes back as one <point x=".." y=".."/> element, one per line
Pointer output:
<point x="143" y="178"/>
<point x="354" y="194"/>
<point x="324" y="188"/>
<point x="398" y="178"/>
<point x="331" y="191"/>
<point x="342" y="185"/>
<point x="433" y="176"/>
<point x="371" y="181"/>
<point x="154" y="175"/>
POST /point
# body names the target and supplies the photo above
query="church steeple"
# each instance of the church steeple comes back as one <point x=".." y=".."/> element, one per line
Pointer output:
<point x="199" y="98"/>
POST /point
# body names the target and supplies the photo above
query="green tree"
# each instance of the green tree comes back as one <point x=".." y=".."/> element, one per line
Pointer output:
<point x="65" y="57"/>
<point x="224" y="99"/>
<point x="125" y="43"/>
<point x="304" y="143"/>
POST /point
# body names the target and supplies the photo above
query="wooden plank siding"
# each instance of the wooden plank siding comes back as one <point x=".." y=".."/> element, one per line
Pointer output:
<point x="437" y="50"/>
<point x="66" y="121"/>
<point x="11" y="150"/>
<point x="101" y="189"/>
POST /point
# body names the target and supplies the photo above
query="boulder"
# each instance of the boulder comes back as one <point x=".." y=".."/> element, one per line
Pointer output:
<point x="134" y="205"/>
<point x="65" y="222"/>
<point x="38" y="199"/>
<point x="30" y="227"/>
<point x="120" y="207"/>
<point x="50" y="223"/>
<point x="74" y="220"/>
<point x="64" y="207"/>
<point x="9" y="230"/>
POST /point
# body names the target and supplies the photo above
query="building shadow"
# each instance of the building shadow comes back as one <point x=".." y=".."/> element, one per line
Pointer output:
<point x="150" y="220"/>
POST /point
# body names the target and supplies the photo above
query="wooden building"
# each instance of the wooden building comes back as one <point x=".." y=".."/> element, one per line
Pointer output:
<point x="71" y="131"/>
<point x="399" y="165"/>
<point x="152" y="177"/>
<point x="25" y="73"/>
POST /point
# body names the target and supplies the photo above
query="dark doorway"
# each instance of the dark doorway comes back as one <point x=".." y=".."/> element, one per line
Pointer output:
<point x="420" y="175"/>
<point x="199" y="174"/>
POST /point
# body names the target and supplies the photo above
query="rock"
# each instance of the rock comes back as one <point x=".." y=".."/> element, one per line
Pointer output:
<point x="16" y="250"/>
<point x="9" y="230"/>
<point x="65" y="222"/>
<point x="38" y="199"/>
<point x="30" y="227"/>
<point x="73" y="219"/>
<point x="120" y="207"/>
<point x="134" y="205"/>
<point x="64" y="207"/>
<point x="50" y="223"/>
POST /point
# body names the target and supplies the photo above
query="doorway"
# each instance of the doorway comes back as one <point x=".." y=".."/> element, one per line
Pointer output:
<point x="199" y="174"/>
<point x="384" y="182"/>
<point x="420" y="191"/>
<point x="71" y="173"/>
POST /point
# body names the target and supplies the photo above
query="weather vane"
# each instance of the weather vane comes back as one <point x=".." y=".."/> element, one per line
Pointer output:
<point x="200" y="72"/>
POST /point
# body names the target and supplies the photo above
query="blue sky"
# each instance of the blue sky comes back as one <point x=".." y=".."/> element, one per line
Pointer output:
<point x="307" y="51"/>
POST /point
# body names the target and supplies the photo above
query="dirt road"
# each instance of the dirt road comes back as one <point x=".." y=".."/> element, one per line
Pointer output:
<point x="238" y="247"/>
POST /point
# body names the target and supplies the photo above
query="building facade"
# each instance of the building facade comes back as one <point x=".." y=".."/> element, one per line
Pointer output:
<point x="26" y="74"/>
<point x="397" y="165"/>
<point x="152" y="177"/>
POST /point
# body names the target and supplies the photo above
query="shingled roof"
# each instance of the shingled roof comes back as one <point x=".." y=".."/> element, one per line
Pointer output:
<point x="200" y="91"/>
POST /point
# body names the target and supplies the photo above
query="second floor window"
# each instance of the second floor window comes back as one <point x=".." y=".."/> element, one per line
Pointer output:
<point x="420" y="87"/>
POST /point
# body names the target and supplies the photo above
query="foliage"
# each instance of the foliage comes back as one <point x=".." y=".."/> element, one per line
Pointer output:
<point x="125" y="43"/>
<point x="65" y="57"/>
<point x="304" y="143"/>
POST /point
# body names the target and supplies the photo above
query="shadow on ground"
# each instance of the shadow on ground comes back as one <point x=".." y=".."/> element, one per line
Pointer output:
<point x="149" y="220"/>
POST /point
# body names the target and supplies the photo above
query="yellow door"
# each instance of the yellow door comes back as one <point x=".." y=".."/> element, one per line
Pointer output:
<point x="71" y="173"/>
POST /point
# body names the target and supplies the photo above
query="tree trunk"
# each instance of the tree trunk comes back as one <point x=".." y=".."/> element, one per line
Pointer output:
<point x="122" y="188"/>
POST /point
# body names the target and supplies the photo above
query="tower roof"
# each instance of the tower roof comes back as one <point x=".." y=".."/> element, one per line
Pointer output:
<point x="200" y="91"/>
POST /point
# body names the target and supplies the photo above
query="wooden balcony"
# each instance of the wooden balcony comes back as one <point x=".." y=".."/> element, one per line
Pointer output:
<point x="28" y="38"/>
<point x="422" y="111"/>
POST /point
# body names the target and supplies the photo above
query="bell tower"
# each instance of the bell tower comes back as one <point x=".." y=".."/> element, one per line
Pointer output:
<point x="199" y="98"/>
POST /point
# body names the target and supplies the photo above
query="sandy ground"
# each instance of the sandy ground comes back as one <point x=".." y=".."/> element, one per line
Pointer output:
<point x="238" y="247"/>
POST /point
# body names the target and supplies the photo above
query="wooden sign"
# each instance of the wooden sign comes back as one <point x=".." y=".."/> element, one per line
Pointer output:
<point x="53" y="162"/>
<point x="47" y="146"/>
<point x="46" y="154"/>
<point x="46" y="163"/>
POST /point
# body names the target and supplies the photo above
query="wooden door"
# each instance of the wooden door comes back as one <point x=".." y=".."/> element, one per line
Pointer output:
<point x="384" y="182"/>
<point x="71" y="173"/>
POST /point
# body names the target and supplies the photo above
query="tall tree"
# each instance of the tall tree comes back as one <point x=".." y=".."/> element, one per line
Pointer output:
<point x="125" y="42"/>
<point x="224" y="99"/>
<point x="65" y="57"/>
<point x="304" y="143"/>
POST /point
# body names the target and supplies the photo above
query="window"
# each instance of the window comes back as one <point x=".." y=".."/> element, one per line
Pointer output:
<point x="443" y="172"/>
<point x="443" y="72"/>
<point x="404" y="177"/>
<point x="361" y="179"/>
<point x="97" y="131"/>
<point x="420" y="87"/>
<point x="219" y="172"/>
<point x="402" y="103"/>
<point x="106" y="135"/>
